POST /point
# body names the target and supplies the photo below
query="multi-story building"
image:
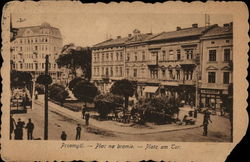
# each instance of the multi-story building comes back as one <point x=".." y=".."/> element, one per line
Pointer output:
<point x="169" y="63"/>
<point x="30" y="46"/>
<point x="216" y="61"/>
<point x="108" y="62"/>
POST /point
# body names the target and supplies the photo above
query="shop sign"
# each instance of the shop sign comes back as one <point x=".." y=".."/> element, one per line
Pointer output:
<point x="210" y="91"/>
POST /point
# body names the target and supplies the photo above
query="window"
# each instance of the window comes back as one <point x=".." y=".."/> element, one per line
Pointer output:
<point x="178" y="74"/>
<point x="117" y="56"/>
<point x="120" y="71"/>
<point x="135" y="56"/>
<point x="163" y="73"/>
<point x="111" y="56"/>
<point x="36" y="47"/>
<point x="154" y="74"/>
<point x="143" y="56"/>
<point x="163" y="55"/>
<point x="107" y="72"/>
<point x="171" y="55"/>
<point x="226" y="54"/>
<point x="117" y="71"/>
<point x="21" y="66"/>
<point x="121" y="58"/>
<point x="21" y="48"/>
<point x="102" y="56"/>
<point x="189" y="54"/>
<point x="178" y="54"/>
<point x="107" y="56"/>
<point x="212" y="42"/>
<point x="212" y="55"/>
<point x="111" y="71"/>
<point x="135" y="72"/>
<point x="211" y="77"/>
<point x="170" y="72"/>
<point x="127" y="71"/>
<point x="128" y="56"/>
<point x="227" y="41"/>
<point x="226" y="77"/>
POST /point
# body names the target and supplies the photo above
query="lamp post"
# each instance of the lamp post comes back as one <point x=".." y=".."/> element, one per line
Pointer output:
<point x="46" y="100"/>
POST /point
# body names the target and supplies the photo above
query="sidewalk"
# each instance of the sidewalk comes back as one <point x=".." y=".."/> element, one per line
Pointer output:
<point x="121" y="127"/>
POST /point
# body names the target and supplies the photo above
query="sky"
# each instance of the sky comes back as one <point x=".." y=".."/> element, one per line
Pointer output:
<point x="84" y="27"/>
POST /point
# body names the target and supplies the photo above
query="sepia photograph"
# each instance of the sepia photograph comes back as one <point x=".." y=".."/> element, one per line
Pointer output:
<point x="135" y="76"/>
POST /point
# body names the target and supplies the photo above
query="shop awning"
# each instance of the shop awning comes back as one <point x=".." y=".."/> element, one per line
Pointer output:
<point x="150" y="89"/>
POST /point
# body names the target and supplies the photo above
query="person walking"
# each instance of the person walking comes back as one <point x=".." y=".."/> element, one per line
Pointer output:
<point x="19" y="130"/>
<point x="36" y="95"/>
<point x="83" y="111"/>
<point x="63" y="136"/>
<point x="195" y="113"/>
<point x="87" y="118"/>
<point x="30" y="127"/>
<point x="78" y="132"/>
<point x="12" y="125"/>
<point x="206" y="121"/>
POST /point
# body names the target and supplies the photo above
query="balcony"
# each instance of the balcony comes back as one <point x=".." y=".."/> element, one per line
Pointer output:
<point x="187" y="82"/>
<point x="187" y="62"/>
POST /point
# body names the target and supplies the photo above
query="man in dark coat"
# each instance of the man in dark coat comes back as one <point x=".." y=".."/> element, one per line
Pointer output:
<point x="206" y="121"/>
<point x="30" y="127"/>
<point x="19" y="130"/>
<point x="63" y="136"/>
<point x="12" y="125"/>
<point x="87" y="118"/>
<point x="78" y="132"/>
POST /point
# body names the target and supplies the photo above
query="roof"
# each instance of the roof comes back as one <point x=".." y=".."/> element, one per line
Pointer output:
<point x="112" y="42"/>
<point x="150" y="89"/>
<point x="218" y="30"/>
<point x="36" y="30"/>
<point x="180" y="33"/>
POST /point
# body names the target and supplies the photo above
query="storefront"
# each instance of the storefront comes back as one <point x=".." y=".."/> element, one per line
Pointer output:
<point x="211" y="97"/>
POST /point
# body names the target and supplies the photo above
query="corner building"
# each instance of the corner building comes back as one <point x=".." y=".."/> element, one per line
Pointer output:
<point x="217" y="62"/>
<point x="30" y="46"/>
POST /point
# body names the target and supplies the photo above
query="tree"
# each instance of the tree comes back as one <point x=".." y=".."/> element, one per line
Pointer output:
<point x="158" y="110"/>
<point x="85" y="91"/>
<point x="20" y="78"/>
<point x="44" y="79"/>
<point x="73" y="82"/>
<point x="73" y="57"/>
<point x="58" y="93"/>
<point x="106" y="103"/>
<point x="124" y="88"/>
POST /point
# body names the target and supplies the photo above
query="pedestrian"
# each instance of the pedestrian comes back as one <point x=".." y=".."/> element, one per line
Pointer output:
<point x="87" y="118"/>
<point x="19" y="130"/>
<point x="63" y="136"/>
<point x="83" y="111"/>
<point x="12" y="125"/>
<point x="206" y="121"/>
<point x="195" y="113"/>
<point x="30" y="127"/>
<point x="78" y="132"/>
<point x="36" y="95"/>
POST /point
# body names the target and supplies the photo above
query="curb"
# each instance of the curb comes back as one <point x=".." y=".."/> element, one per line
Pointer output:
<point x="105" y="129"/>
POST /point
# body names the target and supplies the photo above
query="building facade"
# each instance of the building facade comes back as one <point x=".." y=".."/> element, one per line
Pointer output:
<point x="30" y="46"/>
<point x="217" y="63"/>
<point x="169" y="63"/>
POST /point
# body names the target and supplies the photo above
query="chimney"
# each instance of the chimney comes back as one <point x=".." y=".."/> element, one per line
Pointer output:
<point x="194" y="25"/>
<point x="178" y="28"/>
<point x="118" y="37"/>
<point x="129" y="35"/>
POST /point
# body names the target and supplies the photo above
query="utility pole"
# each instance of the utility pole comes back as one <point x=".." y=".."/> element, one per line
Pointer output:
<point x="46" y="100"/>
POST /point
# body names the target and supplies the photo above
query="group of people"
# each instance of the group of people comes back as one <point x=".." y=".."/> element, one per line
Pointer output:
<point x="78" y="133"/>
<point x="17" y="129"/>
<point x="86" y="116"/>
